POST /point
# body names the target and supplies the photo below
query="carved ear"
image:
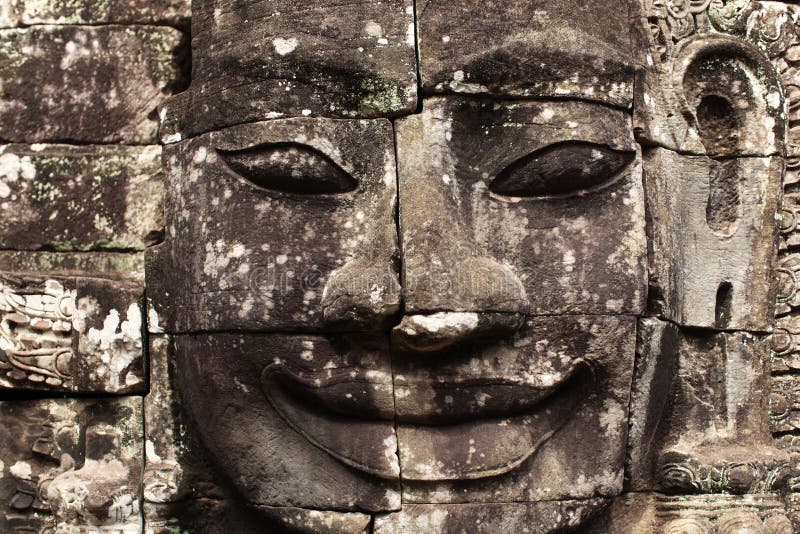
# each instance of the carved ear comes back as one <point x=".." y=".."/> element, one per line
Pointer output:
<point x="289" y="168"/>
<point x="731" y="97"/>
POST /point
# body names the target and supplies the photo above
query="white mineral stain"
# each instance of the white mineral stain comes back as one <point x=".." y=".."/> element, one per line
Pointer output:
<point x="21" y="470"/>
<point x="611" y="418"/>
<point x="13" y="167"/>
<point x="373" y="29"/>
<point x="284" y="46"/>
<point x="119" y="343"/>
<point x="569" y="261"/>
<point x="200" y="155"/>
<point x="240" y="385"/>
<point x="73" y="53"/>
<point x="172" y="138"/>
<point x="438" y="321"/>
<point x="393" y="500"/>
<point x="150" y="452"/>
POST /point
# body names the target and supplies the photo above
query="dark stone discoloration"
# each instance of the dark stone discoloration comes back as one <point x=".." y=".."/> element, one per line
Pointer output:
<point x="64" y="197"/>
<point x="66" y="83"/>
<point x="267" y="59"/>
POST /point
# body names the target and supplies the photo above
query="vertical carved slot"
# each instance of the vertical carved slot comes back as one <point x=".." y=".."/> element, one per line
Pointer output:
<point x="723" y="208"/>
<point x="716" y="120"/>
<point x="722" y="310"/>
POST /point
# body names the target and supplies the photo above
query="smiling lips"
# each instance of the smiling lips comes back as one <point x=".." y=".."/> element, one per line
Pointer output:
<point x="344" y="410"/>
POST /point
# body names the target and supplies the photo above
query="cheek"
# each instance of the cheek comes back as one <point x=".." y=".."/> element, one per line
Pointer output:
<point x="583" y="253"/>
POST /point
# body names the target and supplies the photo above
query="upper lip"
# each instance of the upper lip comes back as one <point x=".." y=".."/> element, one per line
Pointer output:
<point x="427" y="397"/>
<point x="423" y="395"/>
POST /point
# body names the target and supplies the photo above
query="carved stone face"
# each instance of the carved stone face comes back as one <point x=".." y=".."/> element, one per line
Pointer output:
<point x="446" y="303"/>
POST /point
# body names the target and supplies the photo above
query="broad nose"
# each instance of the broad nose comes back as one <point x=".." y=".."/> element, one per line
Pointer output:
<point x="453" y="291"/>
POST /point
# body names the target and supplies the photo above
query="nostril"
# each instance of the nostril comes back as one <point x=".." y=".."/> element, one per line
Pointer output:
<point x="439" y="331"/>
<point x="478" y="284"/>
<point x="361" y="296"/>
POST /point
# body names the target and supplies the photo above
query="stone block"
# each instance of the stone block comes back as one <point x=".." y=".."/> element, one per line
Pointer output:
<point x="67" y="83"/>
<point x="265" y="59"/>
<point x="65" y="197"/>
<point x="283" y="225"/>
<point x="719" y="274"/>
<point x="307" y="421"/>
<point x="784" y="403"/>
<point x="77" y="335"/>
<point x="720" y="514"/>
<point x="515" y="421"/>
<point x="708" y="83"/>
<point x="71" y="465"/>
<point x="513" y="208"/>
<point x="15" y="13"/>
<point x="517" y="48"/>
<point x="176" y="468"/>
<point x="108" y="265"/>
<point x="533" y="518"/>
<point x="697" y="413"/>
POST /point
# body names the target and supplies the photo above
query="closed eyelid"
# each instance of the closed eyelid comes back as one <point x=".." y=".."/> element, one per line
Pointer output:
<point x="561" y="169"/>
<point x="289" y="168"/>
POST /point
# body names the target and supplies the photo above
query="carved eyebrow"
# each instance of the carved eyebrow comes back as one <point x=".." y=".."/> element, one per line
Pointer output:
<point x="561" y="169"/>
<point x="289" y="167"/>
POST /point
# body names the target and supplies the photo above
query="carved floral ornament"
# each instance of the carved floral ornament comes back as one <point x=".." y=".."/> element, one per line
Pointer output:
<point x="769" y="28"/>
<point x="36" y="333"/>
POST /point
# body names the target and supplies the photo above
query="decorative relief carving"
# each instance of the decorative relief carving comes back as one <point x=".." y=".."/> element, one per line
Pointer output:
<point x="722" y="514"/>
<point x="71" y="466"/>
<point x="70" y="334"/>
<point x="36" y="334"/>
<point x="684" y="474"/>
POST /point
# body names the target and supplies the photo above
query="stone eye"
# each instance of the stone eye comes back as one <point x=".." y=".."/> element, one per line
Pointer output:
<point x="561" y="169"/>
<point x="290" y="168"/>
